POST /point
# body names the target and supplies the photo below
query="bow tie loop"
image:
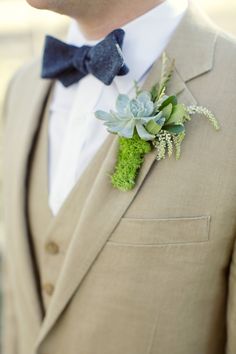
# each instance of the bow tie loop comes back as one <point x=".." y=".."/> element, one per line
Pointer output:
<point x="69" y="64"/>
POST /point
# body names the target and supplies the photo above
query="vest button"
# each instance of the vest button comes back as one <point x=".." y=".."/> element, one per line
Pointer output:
<point x="48" y="288"/>
<point x="52" y="248"/>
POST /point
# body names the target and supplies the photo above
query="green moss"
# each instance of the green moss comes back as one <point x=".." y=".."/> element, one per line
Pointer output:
<point x="130" y="159"/>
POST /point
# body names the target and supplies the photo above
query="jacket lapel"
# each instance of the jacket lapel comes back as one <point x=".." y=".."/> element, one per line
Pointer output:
<point x="191" y="41"/>
<point x="23" y="134"/>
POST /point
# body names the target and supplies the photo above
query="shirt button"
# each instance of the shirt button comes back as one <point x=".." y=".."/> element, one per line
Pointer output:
<point x="48" y="288"/>
<point x="52" y="248"/>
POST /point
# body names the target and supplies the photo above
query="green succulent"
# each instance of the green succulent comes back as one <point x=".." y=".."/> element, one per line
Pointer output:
<point x="132" y="114"/>
<point x="173" y="115"/>
<point x="141" y="114"/>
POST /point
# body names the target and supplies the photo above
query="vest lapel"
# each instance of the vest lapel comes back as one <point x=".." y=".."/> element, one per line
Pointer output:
<point x="193" y="47"/>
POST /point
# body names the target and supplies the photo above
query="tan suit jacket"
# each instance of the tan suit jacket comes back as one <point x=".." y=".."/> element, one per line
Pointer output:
<point x="150" y="271"/>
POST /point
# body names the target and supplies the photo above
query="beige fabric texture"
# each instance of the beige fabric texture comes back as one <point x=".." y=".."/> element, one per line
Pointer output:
<point x="149" y="271"/>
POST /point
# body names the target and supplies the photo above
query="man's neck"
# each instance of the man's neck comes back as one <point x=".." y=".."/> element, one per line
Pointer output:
<point x="105" y="20"/>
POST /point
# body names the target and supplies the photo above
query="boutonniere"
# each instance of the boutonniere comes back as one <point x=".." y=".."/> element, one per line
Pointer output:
<point x="150" y="120"/>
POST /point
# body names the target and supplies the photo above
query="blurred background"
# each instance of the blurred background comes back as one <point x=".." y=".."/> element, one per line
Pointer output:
<point x="22" y="31"/>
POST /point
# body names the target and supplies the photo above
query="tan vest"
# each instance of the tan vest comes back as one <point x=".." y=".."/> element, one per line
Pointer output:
<point x="50" y="239"/>
<point x="51" y="235"/>
<point x="49" y="242"/>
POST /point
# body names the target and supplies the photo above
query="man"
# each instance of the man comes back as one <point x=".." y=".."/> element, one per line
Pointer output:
<point x="91" y="269"/>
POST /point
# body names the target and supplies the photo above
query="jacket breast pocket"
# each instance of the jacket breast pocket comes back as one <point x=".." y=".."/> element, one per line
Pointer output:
<point x="132" y="231"/>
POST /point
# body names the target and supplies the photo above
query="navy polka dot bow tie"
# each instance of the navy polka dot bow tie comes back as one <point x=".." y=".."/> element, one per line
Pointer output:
<point x="69" y="63"/>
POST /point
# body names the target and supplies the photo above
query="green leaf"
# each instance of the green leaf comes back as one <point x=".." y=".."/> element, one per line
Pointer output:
<point x="154" y="127"/>
<point x="177" y="115"/>
<point x="143" y="133"/>
<point x="166" y="72"/>
<point x="166" y="111"/>
<point x="154" y="92"/>
<point x="175" y="128"/>
<point x="170" y="99"/>
<point x="137" y="88"/>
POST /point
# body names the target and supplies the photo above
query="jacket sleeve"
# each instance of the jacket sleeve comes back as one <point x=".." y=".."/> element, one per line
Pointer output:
<point x="9" y="324"/>
<point x="231" y="308"/>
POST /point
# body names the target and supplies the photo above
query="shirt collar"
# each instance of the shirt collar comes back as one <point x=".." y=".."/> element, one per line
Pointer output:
<point x="145" y="39"/>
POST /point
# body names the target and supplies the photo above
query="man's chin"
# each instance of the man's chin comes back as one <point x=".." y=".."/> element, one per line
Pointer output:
<point x="38" y="4"/>
<point x="52" y="5"/>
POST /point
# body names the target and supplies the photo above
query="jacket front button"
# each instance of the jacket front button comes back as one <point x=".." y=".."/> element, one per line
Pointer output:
<point x="48" y="288"/>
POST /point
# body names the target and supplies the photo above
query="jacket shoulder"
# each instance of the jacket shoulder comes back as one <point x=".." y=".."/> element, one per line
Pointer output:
<point x="22" y="87"/>
<point x="25" y="76"/>
<point x="225" y="38"/>
<point x="225" y="52"/>
<point x="224" y="66"/>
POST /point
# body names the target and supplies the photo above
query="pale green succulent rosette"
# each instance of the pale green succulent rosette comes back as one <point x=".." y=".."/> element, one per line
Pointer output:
<point x="150" y="120"/>
<point x="130" y="114"/>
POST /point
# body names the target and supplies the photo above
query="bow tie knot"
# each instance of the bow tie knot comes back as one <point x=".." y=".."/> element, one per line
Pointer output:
<point x="80" y="59"/>
<point x="69" y="64"/>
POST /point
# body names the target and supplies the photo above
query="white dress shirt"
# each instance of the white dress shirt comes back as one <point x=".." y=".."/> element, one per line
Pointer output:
<point x="75" y="134"/>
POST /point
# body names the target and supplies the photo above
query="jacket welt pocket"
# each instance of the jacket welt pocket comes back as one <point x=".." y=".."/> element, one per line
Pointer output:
<point x="161" y="231"/>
